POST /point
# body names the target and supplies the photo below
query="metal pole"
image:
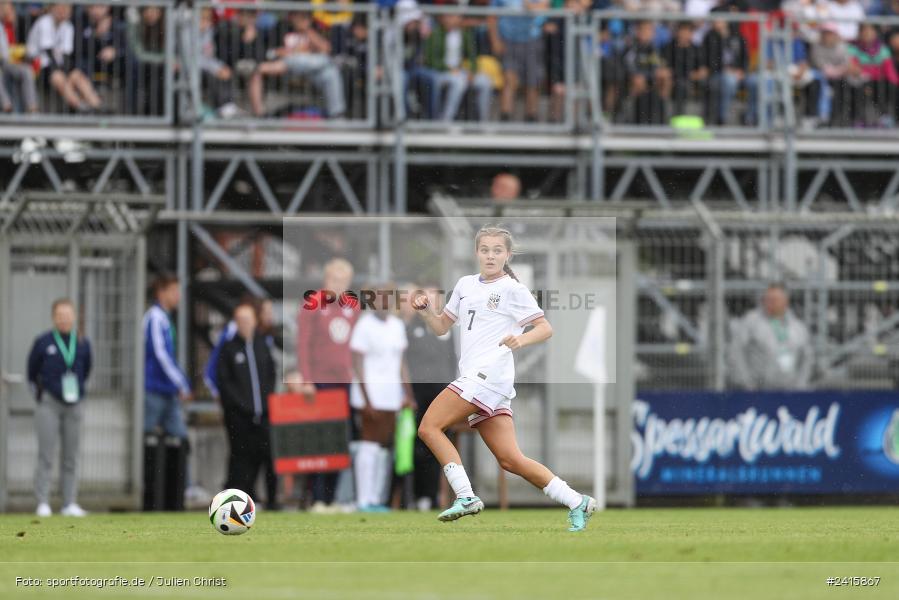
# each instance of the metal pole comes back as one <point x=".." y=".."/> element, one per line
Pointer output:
<point x="597" y="171"/>
<point x="549" y="420"/>
<point x="74" y="267"/>
<point x="137" y="402"/>
<point x="169" y="83"/>
<point x="717" y="311"/>
<point x="196" y="180"/>
<point x="822" y="306"/>
<point x="5" y="338"/>
<point x="599" y="445"/>
<point x="184" y="302"/>
<point x="182" y="244"/>
<point x="399" y="171"/>
<point x="625" y="338"/>
<point x="399" y="151"/>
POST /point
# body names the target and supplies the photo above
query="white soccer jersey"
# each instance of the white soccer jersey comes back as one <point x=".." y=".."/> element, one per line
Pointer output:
<point x="486" y="313"/>
<point x="382" y="342"/>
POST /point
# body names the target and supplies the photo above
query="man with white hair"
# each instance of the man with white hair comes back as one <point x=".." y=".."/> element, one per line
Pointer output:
<point x="324" y="325"/>
<point x="771" y="348"/>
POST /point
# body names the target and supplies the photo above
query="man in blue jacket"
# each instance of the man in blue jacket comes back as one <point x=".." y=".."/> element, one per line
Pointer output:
<point x="165" y="384"/>
<point x="58" y="365"/>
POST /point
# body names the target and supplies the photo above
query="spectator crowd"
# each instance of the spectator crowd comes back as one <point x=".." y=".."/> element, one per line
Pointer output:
<point x="657" y="59"/>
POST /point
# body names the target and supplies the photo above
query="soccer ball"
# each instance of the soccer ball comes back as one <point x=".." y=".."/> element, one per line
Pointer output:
<point x="232" y="512"/>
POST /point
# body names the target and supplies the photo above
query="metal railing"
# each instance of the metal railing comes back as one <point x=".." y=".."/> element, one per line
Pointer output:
<point x="339" y="65"/>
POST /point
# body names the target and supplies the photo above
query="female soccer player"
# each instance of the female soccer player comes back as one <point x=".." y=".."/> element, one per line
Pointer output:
<point x="492" y="308"/>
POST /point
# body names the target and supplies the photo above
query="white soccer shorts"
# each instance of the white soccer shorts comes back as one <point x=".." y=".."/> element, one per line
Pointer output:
<point x="489" y="403"/>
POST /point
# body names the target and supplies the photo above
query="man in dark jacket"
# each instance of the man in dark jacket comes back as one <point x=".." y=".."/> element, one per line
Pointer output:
<point x="58" y="364"/>
<point x="246" y="378"/>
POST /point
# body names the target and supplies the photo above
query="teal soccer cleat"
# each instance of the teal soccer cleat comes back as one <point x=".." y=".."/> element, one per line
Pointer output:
<point x="462" y="507"/>
<point x="579" y="516"/>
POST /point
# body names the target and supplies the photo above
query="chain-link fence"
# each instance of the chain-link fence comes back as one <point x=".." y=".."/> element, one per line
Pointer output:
<point x="839" y="279"/>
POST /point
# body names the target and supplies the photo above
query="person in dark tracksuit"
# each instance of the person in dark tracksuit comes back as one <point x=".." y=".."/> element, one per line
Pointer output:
<point x="246" y="377"/>
<point x="432" y="364"/>
<point x="210" y="372"/>
<point x="59" y="364"/>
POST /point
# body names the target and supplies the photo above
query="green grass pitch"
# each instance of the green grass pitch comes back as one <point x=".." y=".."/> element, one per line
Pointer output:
<point x="517" y="554"/>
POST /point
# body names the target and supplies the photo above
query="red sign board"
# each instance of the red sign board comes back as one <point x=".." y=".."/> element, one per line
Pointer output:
<point x="310" y="436"/>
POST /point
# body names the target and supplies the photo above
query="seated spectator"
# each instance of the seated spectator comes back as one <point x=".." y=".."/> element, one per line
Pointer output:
<point x="101" y="48"/>
<point x="846" y="14"/>
<point x="240" y="44"/>
<point x="146" y="39"/>
<point x="217" y="77"/>
<point x="872" y="69"/>
<point x="555" y="46"/>
<point x="683" y="60"/>
<point x="449" y="61"/>
<point x="12" y="70"/>
<point x="304" y="53"/>
<point x="649" y="79"/>
<point x="727" y="61"/>
<point x="518" y="41"/>
<point x="830" y="57"/>
<point x="893" y="41"/>
<point x="50" y="43"/>
<point x="335" y="25"/>
<point x="505" y="188"/>
<point x="354" y="61"/>
<point x="807" y="13"/>
<point x="802" y="78"/>
<point x="810" y="85"/>
<point x="699" y="9"/>
<point x="644" y="104"/>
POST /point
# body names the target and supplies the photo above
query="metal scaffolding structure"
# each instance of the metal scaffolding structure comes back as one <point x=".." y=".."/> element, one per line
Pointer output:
<point x="91" y="248"/>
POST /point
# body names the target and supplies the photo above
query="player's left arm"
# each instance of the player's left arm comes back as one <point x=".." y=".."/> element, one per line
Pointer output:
<point x="540" y="332"/>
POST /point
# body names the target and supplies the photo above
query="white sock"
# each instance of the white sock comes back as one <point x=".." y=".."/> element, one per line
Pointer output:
<point x="384" y="476"/>
<point x="458" y="480"/>
<point x="559" y="491"/>
<point x="366" y="470"/>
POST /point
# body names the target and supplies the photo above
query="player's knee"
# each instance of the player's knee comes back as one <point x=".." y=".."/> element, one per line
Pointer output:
<point x="511" y="463"/>
<point x="425" y="431"/>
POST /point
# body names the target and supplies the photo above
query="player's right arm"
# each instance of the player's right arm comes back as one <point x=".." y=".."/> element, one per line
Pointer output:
<point x="438" y="323"/>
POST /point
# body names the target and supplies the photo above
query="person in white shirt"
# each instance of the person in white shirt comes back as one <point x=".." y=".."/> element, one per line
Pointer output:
<point x="305" y="53"/>
<point x="847" y="14"/>
<point x="50" y="43"/>
<point x="378" y="344"/>
<point x="492" y="308"/>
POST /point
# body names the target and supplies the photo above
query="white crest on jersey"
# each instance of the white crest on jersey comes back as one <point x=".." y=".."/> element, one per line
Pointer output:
<point x="339" y="330"/>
